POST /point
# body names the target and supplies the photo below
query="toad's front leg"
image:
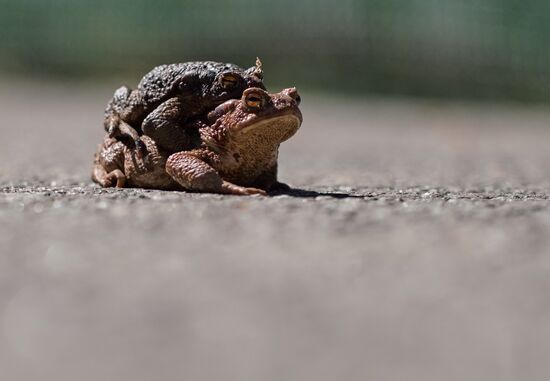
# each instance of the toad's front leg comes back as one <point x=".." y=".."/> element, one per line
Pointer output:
<point x="164" y="125"/>
<point x="194" y="174"/>
<point x="268" y="180"/>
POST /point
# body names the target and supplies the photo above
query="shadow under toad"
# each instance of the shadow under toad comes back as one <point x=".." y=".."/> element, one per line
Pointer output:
<point x="307" y="193"/>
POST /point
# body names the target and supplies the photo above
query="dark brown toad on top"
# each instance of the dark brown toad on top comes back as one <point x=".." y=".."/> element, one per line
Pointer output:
<point x="236" y="152"/>
<point x="169" y="95"/>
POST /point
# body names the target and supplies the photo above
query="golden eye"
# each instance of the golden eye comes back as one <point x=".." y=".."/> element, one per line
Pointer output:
<point x="229" y="80"/>
<point x="254" y="101"/>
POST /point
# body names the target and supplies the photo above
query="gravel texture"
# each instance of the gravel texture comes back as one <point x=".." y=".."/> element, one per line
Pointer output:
<point x="415" y="246"/>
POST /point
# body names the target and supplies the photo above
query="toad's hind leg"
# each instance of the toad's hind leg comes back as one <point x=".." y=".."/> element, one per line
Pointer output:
<point x="164" y="125"/>
<point x="124" y="110"/>
<point x="116" y="128"/>
<point x="196" y="175"/>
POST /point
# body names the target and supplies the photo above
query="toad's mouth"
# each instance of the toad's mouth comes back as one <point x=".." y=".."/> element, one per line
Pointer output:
<point x="270" y="131"/>
<point x="289" y="120"/>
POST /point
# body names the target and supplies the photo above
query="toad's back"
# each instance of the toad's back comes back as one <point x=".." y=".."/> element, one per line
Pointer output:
<point x="165" y="81"/>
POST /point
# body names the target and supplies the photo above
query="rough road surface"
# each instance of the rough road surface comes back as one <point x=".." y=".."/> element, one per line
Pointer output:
<point x="415" y="247"/>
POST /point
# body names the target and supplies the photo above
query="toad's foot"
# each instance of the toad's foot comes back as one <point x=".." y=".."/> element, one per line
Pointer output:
<point x="231" y="188"/>
<point x="114" y="178"/>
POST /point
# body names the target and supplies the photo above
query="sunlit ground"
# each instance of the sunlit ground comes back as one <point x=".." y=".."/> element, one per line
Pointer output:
<point x="415" y="248"/>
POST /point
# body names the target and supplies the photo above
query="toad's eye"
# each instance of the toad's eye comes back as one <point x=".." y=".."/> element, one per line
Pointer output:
<point x="254" y="101"/>
<point x="229" y="80"/>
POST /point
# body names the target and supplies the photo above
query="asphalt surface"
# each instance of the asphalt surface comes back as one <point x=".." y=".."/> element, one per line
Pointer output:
<point x="414" y="246"/>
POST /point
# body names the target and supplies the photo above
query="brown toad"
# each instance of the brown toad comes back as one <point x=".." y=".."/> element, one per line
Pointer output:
<point x="169" y="95"/>
<point x="235" y="150"/>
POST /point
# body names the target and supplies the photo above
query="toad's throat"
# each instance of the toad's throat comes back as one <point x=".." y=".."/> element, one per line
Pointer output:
<point x="255" y="148"/>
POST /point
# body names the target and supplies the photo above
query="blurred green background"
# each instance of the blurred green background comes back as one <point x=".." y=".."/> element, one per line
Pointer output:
<point x="493" y="49"/>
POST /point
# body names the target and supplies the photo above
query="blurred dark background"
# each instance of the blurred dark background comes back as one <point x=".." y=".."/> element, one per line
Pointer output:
<point x="492" y="49"/>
